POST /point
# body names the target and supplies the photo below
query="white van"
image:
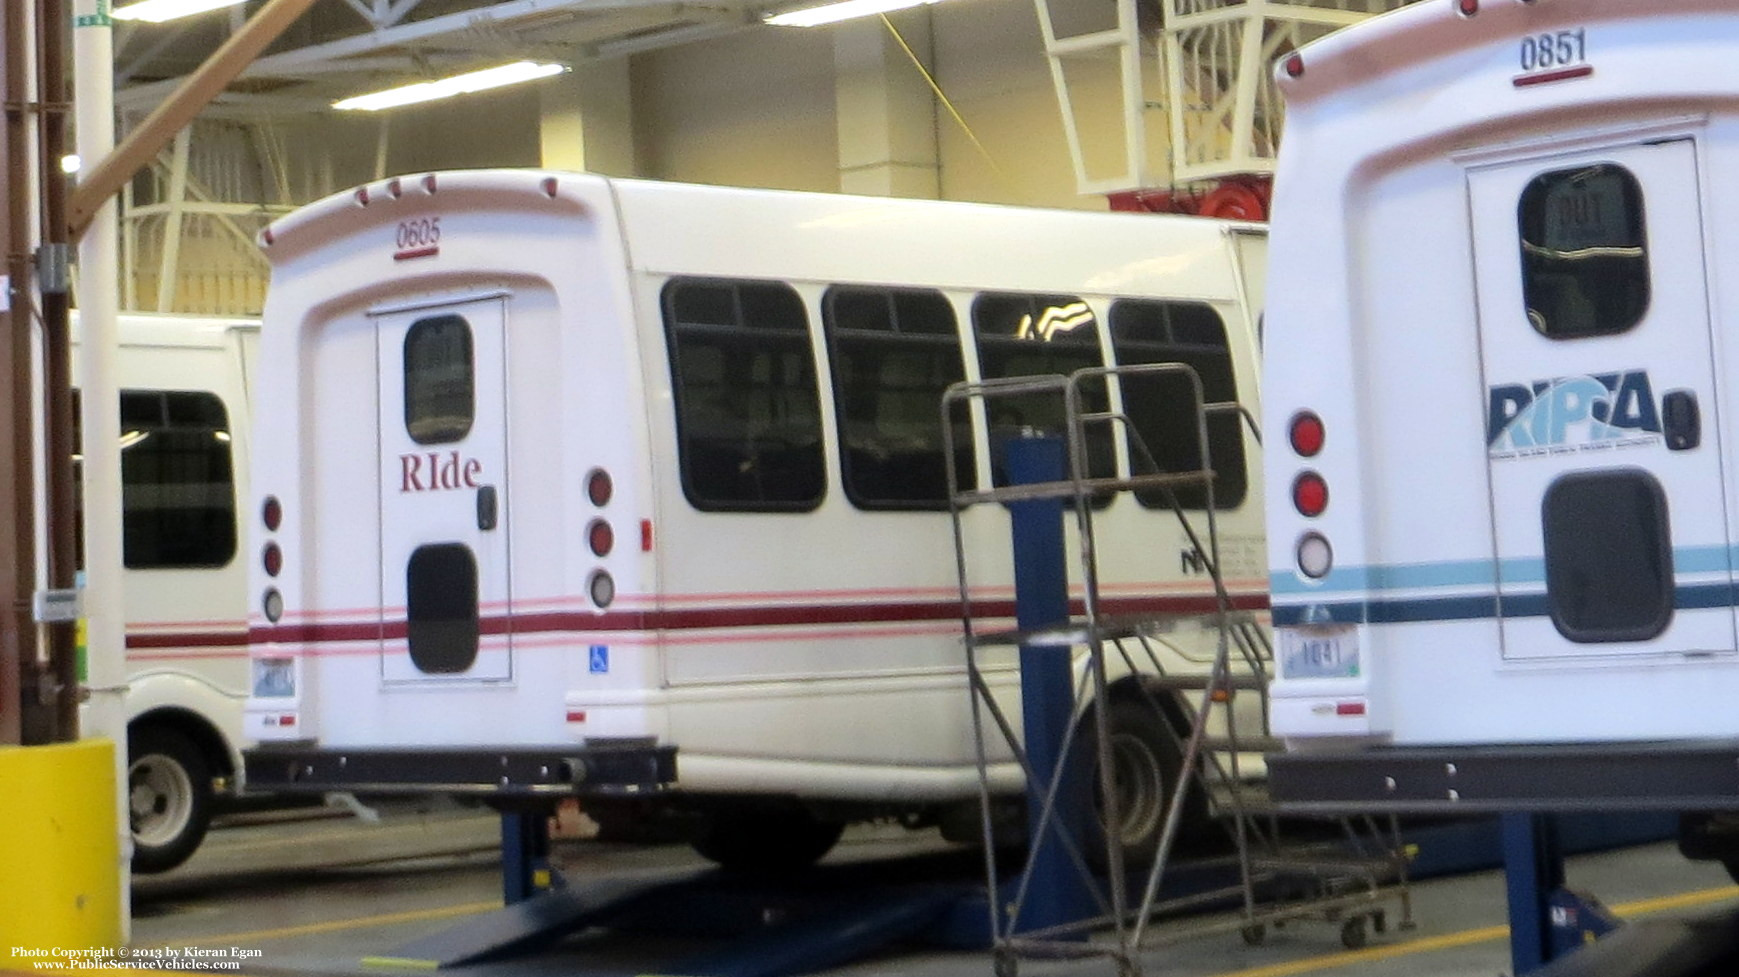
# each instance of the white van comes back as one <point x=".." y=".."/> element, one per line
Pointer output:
<point x="574" y="466"/>
<point x="1503" y="505"/>
<point x="184" y="458"/>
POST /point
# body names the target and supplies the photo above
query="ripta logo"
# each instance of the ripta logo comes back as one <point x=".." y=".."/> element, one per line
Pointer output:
<point x="1568" y="414"/>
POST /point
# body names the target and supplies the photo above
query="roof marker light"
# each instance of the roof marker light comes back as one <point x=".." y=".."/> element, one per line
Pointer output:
<point x="267" y="236"/>
<point x="393" y="189"/>
<point x="549" y="187"/>
<point x="429" y="183"/>
<point x="362" y="196"/>
<point x="1467" y="8"/>
<point x="1295" y="66"/>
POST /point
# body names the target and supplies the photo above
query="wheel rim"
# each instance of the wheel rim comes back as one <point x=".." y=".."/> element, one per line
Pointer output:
<point x="1140" y="786"/>
<point x="159" y="799"/>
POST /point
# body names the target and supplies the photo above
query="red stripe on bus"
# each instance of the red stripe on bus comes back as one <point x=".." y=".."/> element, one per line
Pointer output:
<point x="743" y="617"/>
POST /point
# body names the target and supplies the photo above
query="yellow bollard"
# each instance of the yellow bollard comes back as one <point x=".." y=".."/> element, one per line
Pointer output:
<point x="60" y="874"/>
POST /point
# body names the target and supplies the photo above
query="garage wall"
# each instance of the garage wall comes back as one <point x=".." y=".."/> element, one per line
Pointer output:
<point x="757" y="109"/>
<point x="752" y="109"/>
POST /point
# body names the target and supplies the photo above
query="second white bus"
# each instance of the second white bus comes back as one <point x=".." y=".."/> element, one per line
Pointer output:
<point x="573" y="465"/>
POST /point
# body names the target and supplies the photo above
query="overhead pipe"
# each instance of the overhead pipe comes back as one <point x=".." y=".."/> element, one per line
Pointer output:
<point x="142" y="145"/>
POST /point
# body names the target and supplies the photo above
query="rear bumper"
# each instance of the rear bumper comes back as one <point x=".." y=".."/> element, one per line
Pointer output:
<point x="1692" y="775"/>
<point x="626" y="769"/>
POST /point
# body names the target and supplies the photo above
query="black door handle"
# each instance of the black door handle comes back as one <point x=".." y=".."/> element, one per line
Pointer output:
<point x="1681" y="420"/>
<point x="486" y="508"/>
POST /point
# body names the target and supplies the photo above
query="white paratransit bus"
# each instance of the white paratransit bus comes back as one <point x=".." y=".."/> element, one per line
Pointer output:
<point x="184" y="458"/>
<point x="1499" y="362"/>
<point x="571" y="467"/>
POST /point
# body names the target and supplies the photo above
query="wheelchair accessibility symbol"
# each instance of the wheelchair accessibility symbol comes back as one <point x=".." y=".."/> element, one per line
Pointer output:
<point x="600" y="659"/>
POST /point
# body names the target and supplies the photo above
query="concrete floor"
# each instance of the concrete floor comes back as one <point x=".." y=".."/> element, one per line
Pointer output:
<point x="316" y="892"/>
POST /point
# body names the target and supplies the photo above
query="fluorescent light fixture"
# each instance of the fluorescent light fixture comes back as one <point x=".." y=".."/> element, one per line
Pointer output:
<point x="834" y="12"/>
<point x="427" y="91"/>
<point x="158" y="11"/>
<point x="70" y="163"/>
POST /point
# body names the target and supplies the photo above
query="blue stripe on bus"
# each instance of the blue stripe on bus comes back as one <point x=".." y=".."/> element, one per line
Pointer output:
<point x="1414" y="610"/>
<point x="1470" y="573"/>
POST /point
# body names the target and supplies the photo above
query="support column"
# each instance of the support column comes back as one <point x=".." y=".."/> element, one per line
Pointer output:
<point x="885" y="110"/>
<point x="587" y="119"/>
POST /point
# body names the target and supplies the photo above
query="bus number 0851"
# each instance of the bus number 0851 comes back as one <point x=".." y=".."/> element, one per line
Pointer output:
<point x="1556" y="49"/>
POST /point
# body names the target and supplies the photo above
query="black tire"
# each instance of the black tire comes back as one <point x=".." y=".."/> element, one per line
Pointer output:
<point x="168" y="797"/>
<point x="766" y="839"/>
<point x="1147" y="764"/>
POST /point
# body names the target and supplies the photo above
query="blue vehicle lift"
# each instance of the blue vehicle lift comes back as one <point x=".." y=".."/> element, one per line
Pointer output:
<point x="1554" y="931"/>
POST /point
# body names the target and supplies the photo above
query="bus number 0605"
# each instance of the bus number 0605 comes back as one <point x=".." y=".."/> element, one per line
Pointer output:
<point x="1554" y="50"/>
<point x="421" y="233"/>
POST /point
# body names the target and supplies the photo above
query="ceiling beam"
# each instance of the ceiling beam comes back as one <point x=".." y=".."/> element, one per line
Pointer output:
<point x="142" y="144"/>
<point x="506" y="14"/>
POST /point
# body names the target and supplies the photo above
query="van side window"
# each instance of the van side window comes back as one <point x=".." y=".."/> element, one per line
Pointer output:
<point x="177" y="480"/>
<point x="893" y="351"/>
<point x="1584" y="252"/>
<point x="1159" y="407"/>
<point x="748" y="415"/>
<point x="440" y="389"/>
<point x="1029" y="335"/>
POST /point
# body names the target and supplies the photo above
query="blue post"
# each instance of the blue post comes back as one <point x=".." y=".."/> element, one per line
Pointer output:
<point x="525" y="868"/>
<point x="1056" y="892"/>
<point x="1533" y="870"/>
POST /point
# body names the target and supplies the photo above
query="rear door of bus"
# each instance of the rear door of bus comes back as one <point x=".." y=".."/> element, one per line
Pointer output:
<point x="443" y="458"/>
<point x="1603" y="435"/>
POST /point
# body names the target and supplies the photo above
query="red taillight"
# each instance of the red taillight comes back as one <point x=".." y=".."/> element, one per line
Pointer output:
<point x="1306" y="433"/>
<point x="1310" y="494"/>
<point x="1349" y="708"/>
<point x="272" y="513"/>
<point x="599" y="488"/>
<point x="600" y="537"/>
<point x="272" y="559"/>
<point x="645" y="535"/>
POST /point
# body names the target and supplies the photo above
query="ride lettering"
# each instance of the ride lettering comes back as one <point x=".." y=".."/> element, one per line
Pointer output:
<point x="434" y="471"/>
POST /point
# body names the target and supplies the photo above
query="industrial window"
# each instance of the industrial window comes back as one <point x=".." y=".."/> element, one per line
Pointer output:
<point x="893" y="352"/>
<point x="177" y="481"/>
<point x="1031" y="335"/>
<point x="1584" y="252"/>
<point x="440" y="392"/>
<point x="1609" y="557"/>
<point x="1161" y="406"/>
<point x="441" y="625"/>
<point x="748" y="417"/>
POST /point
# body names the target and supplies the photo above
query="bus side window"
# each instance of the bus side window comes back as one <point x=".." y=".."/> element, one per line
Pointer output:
<point x="893" y="351"/>
<point x="177" y="481"/>
<point x="1159" y="407"/>
<point x="1032" y="335"/>
<point x="748" y="416"/>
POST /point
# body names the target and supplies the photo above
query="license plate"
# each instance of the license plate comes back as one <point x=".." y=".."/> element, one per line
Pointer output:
<point x="1319" y="652"/>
